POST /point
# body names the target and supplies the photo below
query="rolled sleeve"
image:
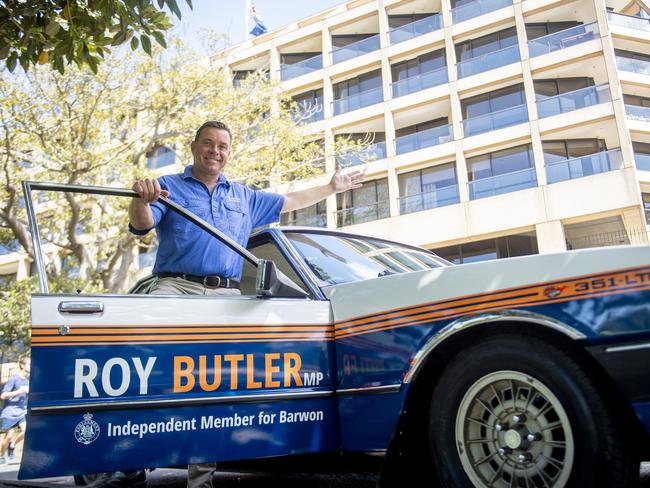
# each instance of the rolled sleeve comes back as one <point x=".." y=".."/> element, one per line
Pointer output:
<point x="158" y="211"/>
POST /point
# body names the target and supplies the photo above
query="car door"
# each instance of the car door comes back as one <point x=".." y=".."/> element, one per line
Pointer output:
<point x="124" y="382"/>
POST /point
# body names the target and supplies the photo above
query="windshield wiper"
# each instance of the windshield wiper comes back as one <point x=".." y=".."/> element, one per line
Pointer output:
<point x="385" y="272"/>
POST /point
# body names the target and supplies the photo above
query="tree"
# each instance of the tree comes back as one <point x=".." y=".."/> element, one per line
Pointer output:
<point x="74" y="31"/>
<point x="84" y="128"/>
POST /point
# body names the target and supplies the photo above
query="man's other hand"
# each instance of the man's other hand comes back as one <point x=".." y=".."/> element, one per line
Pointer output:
<point x="149" y="190"/>
<point x="343" y="182"/>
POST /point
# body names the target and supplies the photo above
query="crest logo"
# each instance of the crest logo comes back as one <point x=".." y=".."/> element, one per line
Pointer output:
<point x="87" y="431"/>
<point x="553" y="291"/>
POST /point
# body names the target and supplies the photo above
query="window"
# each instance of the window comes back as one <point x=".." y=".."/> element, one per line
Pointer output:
<point x="293" y="58"/>
<point x="370" y="202"/>
<point x="485" y="250"/>
<point x="632" y="55"/>
<point x="238" y="76"/>
<point x="310" y="105"/>
<point x="555" y="151"/>
<point x="551" y="88"/>
<point x="422" y="126"/>
<point x="486" y="44"/>
<point x="159" y="157"/>
<point x="422" y="64"/>
<point x="636" y="100"/>
<point x="646" y="206"/>
<point x="313" y="216"/>
<point x="500" y="162"/>
<point x="346" y="39"/>
<point x="362" y="83"/>
<point x="428" y="188"/>
<point x="533" y="31"/>
<point x="494" y="101"/>
<point x="609" y="231"/>
<point x="395" y="21"/>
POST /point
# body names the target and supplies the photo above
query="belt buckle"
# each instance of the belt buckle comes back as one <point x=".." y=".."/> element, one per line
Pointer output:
<point x="205" y="284"/>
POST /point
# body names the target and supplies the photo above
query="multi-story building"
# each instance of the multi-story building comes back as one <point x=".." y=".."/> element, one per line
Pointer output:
<point x="501" y="127"/>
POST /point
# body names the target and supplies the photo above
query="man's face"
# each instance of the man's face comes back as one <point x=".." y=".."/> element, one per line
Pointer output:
<point x="211" y="151"/>
<point x="24" y="367"/>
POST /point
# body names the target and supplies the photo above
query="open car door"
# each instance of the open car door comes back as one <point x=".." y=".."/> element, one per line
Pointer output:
<point x="122" y="382"/>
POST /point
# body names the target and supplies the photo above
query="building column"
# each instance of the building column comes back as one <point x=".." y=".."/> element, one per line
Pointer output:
<point x="550" y="237"/>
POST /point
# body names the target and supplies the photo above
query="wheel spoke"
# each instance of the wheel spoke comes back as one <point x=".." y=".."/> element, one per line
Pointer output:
<point x="558" y="464"/>
<point x="484" y="459"/>
<point x="513" y="390"/>
<point x="543" y="411"/>
<point x="552" y="425"/>
<point x="478" y="441"/>
<point x="496" y="394"/>
<point x="497" y="473"/>
<point x="485" y="406"/>
<point x="480" y="422"/>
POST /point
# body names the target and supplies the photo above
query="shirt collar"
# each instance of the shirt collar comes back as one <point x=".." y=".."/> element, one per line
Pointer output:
<point x="187" y="173"/>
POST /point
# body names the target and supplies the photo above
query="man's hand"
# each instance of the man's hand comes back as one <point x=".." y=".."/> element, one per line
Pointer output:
<point x="343" y="182"/>
<point x="149" y="190"/>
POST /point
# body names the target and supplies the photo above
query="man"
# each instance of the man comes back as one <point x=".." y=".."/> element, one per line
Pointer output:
<point x="189" y="261"/>
<point x="14" y="395"/>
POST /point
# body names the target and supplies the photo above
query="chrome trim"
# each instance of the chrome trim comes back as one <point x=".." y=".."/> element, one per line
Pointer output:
<point x="80" y="307"/>
<point x="464" y="323"/>
<point x="631" y="347"/>
<point x="36" y="239"/>
<point x="126" y="404"/>
<point x="370" y="390"/>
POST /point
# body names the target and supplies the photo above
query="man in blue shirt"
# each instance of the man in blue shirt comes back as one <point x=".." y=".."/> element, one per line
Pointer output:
<point x="14" y="394"/>
<point x="189" y="260"/>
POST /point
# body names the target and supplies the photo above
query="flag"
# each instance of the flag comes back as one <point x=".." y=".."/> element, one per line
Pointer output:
<point x="258" y="28"/>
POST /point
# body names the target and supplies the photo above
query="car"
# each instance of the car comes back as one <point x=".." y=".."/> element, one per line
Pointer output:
<point x="524" y="372"/>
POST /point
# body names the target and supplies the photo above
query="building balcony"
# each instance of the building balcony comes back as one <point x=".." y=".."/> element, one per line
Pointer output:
<point x="415" y="29"/>
<point x="575" y="100"/>
<point x="420" y="82"/>
<point x="373" y="152"/>
<point x="289" y="71"/>
<point x="592" y="164"/>
<point x="426" y="138"/>
<point x="357" y="100"/>
<point x="636" y="112"/>
<point x="479" y="7"/>
<point x="563" y="39"/>
<point x="318" y="220"/>
<point x="362" y="213"/>
<point x="495" y="120"/>
<point x="638" y="66"/>
<point x="356" y="49"/>
<point x="488" y="61"/>
<point x="642" y="161"/>
<point x="629" y="21"/>
<point x="505" y="183"/>
<point x="430" y="199"/>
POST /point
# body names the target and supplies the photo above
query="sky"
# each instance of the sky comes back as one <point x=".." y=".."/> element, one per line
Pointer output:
<point x="228" y="16"/>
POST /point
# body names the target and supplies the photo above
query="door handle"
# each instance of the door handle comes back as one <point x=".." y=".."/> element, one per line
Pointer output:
<point x="81" y="307"/>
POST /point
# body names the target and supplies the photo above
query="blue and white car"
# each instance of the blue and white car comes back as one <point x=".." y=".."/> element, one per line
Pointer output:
<point x="523" y="372"/>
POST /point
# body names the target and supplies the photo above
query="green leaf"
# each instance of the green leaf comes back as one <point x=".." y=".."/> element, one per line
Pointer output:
<point x="160" y="39"/>
<point x="52" y="28"/>
<point x="119" y="38"/>
<point x="12" y="60"/>
<point x="4" y="51"/>
<point x="189" y="2"/>
<point x="146" y="43"/>
<point x="135" y="43"/>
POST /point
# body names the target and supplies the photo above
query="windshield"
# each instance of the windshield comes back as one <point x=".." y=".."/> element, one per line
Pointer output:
<point x="344" y="259"/>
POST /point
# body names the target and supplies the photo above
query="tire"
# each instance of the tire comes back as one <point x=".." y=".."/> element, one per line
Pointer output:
<point x="532" y="413"/>
<point x="136" y="479"/>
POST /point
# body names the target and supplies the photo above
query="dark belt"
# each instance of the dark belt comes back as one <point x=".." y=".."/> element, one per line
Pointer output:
<point x="207" y="281"/>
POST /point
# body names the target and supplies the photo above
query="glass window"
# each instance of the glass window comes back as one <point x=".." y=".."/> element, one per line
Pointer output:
<point x="341" y="259"/>
<point x="646" y="206"/>
<point x="312" y="216"/>
<point x="533" y="31"/>
<point x="160" y="157"/>
<point x="362" y="83"/>
<point x="422" y="64"/>
<point x="395" y="21"/>
<point x="572" y="148"/>
<point x="494" y="101"/>
<point x="641" y="147"/>
<point x="426" y="180"/>
<point x="422" y="126"/>
<point x="632" y="55"/>
<point x="293" y="58"/>
<point x="346" y="39"/>
<point x="551" y="88"/>
<point x="486" y="44"/>
<point x="501" y="247"/>
<point x="500" y="162"/>
<point x="636" y="100"/>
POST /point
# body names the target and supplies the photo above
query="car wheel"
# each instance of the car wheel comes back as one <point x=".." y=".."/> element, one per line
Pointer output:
<point x="136" y="479"/>
<point x="517" y="411"/>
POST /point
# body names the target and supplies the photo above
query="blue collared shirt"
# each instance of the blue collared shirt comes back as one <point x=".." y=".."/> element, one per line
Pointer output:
<point x="232" y="208"/>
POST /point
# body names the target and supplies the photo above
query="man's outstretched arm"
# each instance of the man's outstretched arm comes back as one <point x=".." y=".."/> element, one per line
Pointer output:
<point x="339" y="183"/>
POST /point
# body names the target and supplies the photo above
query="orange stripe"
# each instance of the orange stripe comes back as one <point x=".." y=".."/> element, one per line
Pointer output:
<point x="329" y="338"/>
<point x="157" y="330"/>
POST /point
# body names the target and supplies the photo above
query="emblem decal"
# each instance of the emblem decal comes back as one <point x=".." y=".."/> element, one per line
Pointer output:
<point x="87" y="431"/>
<point x="553" y="291"/>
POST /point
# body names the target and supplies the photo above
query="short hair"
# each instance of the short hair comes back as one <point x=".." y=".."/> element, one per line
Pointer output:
<point x="23" y="360"/>
<point x="213" y="124"/>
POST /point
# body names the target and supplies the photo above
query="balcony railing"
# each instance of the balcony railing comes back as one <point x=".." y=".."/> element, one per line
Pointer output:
<point x="575" y="100"/>
<point x="318" y="220"/>
<point x="506" y="183"/>
<point x="562" y="39"/>
<point x="495" y="120"/>
<point x="488" y="61"/>
<point x="372" y="152"/>
<point x="420" y="82"/>
<point x="479" y="7"/>
<point x="636" y="112"/>
<point x="642" y="161"/>
<point x="592" y="164"/>
<point x="288" y="71"/>
<point x="362" y="213"/>
<point x="415" y="29"/>
<point x="308" y="112"/>
<point x="357" y="100"/>
<point x="426" y="138"/>
<point x="629" y="21"/>
<point x="439" y="197"/>
<point x="356" y="49"/>
<point x="615" y="238"/>
<point x="639" y="66"/>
